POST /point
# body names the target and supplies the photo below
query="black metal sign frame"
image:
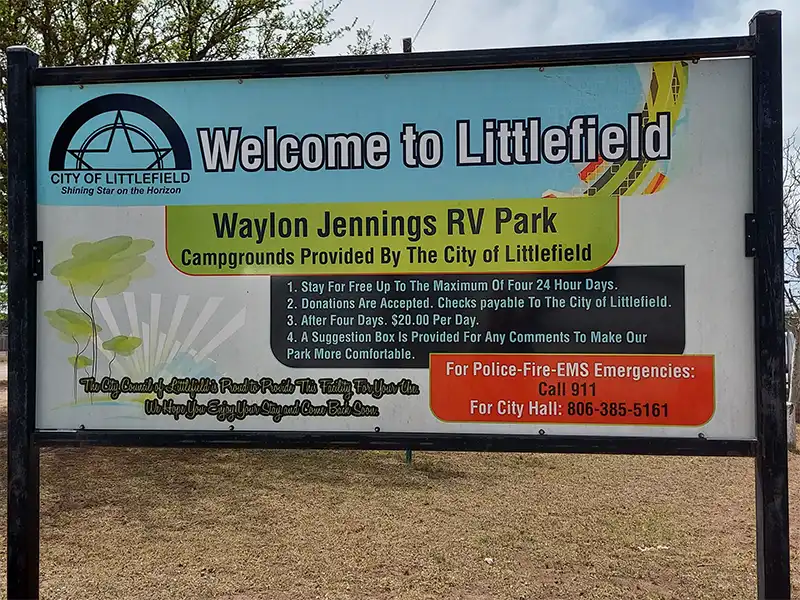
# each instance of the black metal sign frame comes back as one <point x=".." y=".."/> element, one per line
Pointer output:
<point x="762" y="46"/>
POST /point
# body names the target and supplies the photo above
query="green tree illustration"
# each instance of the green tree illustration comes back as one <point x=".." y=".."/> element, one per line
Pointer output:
<point x="98" y="270"/>
<point x="121" y="345"/>
<point x="75" y="328"/>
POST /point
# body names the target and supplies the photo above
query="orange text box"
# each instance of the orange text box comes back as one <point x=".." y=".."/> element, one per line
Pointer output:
<point x="588" y="389"/>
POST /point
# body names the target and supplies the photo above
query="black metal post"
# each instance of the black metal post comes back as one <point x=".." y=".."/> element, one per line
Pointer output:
<point x="23" y="454"/>
<point x="407" y="47"/>
<point x="772" y="493"/>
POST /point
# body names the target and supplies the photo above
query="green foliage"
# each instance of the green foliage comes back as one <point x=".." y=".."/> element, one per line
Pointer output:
<point x="72" y="326"/>
<point x="80" y="361"/>
<point x="122" y="345"/>
<point x="88" y="32"/>
<point x="104" y="268"/>
<point x="366" y="44"/>
<point x="97" y="269"/>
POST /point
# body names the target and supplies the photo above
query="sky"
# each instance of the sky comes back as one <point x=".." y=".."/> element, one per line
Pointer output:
<point x="472" y="24"/>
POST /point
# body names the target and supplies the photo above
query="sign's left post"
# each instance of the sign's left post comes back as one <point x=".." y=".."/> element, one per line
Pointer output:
<point x="24" y="270"/>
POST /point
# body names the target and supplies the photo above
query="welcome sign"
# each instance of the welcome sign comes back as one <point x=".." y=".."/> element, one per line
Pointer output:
<point x="526" y="250"/>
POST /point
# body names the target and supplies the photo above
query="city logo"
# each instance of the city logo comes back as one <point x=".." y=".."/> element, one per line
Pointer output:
<point x="120" y="140"/>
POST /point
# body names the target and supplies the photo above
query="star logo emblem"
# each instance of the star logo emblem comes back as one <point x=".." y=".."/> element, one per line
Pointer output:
<point x="120" y="142"/>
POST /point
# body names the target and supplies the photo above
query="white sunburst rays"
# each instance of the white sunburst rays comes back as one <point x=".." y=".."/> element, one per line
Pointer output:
<point x="173" y="352"/>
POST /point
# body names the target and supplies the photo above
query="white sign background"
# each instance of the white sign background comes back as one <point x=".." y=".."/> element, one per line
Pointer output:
<point x="696" y="221"/>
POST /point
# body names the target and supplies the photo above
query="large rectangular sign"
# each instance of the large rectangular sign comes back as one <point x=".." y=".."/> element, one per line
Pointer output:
<point x="519" y="251"/>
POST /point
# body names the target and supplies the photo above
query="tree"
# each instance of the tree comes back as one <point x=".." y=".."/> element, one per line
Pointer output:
<point x="791" y="243"/>
<point x="365" y="44"/>
<point x="97" y="270"/>
<point x="97" y="32"/>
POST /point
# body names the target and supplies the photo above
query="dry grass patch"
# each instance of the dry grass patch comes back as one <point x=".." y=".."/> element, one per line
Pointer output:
<point x="280" y="525"/>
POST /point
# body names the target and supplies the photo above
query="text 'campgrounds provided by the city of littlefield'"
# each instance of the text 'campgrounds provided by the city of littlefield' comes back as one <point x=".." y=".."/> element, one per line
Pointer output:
<point x="519" y="235"/>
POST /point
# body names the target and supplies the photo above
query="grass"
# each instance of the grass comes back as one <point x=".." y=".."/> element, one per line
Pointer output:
<point x="280" y="525"/>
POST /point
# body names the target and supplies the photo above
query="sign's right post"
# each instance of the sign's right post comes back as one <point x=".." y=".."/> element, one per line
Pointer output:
<point x="772" y="493"/>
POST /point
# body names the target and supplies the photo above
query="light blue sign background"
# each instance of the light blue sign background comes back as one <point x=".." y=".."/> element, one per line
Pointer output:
<point x="363" y="104"/>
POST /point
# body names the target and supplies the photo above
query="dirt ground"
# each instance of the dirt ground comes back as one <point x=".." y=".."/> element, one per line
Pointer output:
<point x="281" y="525"/>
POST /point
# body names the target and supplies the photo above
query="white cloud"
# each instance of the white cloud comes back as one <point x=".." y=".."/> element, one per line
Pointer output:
<point x="469" y="24"/>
